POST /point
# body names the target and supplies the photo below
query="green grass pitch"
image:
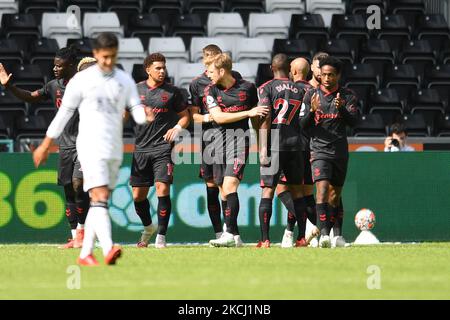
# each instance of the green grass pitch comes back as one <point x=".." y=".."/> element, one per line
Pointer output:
<point x="407" y="271"/>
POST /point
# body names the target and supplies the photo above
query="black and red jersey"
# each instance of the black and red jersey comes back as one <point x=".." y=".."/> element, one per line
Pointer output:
<point x="284" y="99"/>
<point x="166" y="101"/>
<point x="54" y="90"/>
<point x="328" y="124"/>
<point x="305" y="134"/>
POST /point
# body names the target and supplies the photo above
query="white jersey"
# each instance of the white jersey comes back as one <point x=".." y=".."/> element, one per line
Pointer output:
<point x="101" y="100"/>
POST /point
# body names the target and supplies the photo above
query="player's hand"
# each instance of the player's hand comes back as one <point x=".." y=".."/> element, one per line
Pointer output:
<point x="261" y="111"/>
<point x="172" y="134"/>
<point x="150" y="115"/>
<point x="40" y="156"/>
<point x="4" y="76"/>
<point x="315" y="102"/>
<point x="338" y="101"/>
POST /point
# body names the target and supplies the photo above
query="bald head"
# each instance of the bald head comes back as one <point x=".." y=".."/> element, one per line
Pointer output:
<point x="280" y="65"/>
<point x="299" y="69"/>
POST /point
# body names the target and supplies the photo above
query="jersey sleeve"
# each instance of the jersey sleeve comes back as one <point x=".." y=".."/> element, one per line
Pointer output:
<point x="180" y="104"/>
<point x="306" y="116"/>
<point x="350" y="111"/>
<point x="264" y="96"/>
<point x="44" y="91"/>
<point x="253" y="96"/>
<point x="70" y="103"/>
<point x="195" y="95"/>
<point x="211" y="97"/>
<point x="133" y="98"/>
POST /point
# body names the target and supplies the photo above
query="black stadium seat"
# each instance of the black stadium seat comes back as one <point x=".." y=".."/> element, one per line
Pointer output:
<point x="144" y="26"/>
<point x="39" y="6"/>
<point x="20" y="26"/>
<point x="85" y="5"/>
<point x="339" y="48"/>
<point x="360" y="6"/>
<point x="164" y="7"/>
<point x="416" y="125"/>
<point x="370" y="125"/>
<point x="376" y="52"/>
<point x="10" y="51"/>
<point x="353" y="28"/>
<point x="42" y="52"/>
<point x="263" y="74"/>
<point x="293" y="48"/>
<point x="244" y="7"/>
<point x="387" y="103"/>
<point x="395" y="30"/>
<point x="419" y="53"/>
<point x="442" y="127"/>
<point x="434" y="28"/>
<point x="438" y="78"/>
<point x="362" y="74"/>
<point x="308" y="27"/>
<point x="28" y="77"/>
<point x="139" y="73"/>
<point x="84" y="46"/>
<point x="403" y="78"/>
<point x="203" y="6"/>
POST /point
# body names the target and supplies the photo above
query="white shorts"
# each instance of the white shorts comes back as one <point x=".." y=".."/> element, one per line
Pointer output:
<point x="98" y="173"/>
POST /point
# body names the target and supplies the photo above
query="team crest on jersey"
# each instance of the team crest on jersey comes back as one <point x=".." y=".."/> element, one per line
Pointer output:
<point x="242" y="96"/>
<point x="164" y="97"/>
<point x="142" y="98"/>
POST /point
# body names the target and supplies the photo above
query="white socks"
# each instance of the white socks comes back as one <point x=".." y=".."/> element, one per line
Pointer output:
<point x="97" y="224"/>
<point x="74" y="233"/>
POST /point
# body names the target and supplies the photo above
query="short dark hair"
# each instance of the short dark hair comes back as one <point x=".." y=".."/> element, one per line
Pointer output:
<point x="320" y="56"/>
<point x="105" y="40"/>
<point x="280" y="62"/>
<point x="69" y="54"/>
<point x="154" y="57"/>
<point x="333" y="62"/>
<point x="398" y="128"/>
<point x="213" y="49"/>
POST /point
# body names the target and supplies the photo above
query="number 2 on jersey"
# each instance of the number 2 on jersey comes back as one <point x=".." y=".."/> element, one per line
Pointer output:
<point x="281" y="117"/>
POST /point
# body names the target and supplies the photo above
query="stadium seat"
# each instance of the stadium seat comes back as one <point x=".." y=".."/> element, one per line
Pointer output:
<point x="55" y="26"/>
<point x="353" y="28"/>
<point x="8" y="6"/>
<point x="11" y="107"/>
<point x="20" y="26"/>
<point x="370" y="125"/>
<point x="84" y="5"/>
<point x="96" y="23"/>
<point x="5" y="131"/>
<point x="339" y="48"/>
<point x="123" y="5"/>
<point x="285" y="7"/>
<point x="187" y="72"/>
<point x="84" y="46"/>
<point x="246" y="71"/>
<point x="186" y="26"/>
<point x="416" y="125"/>
<point x="419" y="53"/>
<point x="403" y="78"/>
<point x="308" y="27"/>
<point x="269" y="26"/>
<point x="376" y="52"/>
<point x="139" y="73"/>
<point x="10" y="51"/>
<point x="131" y="51"/>
<point x="197" y="45"/>
<point x="263" y="74"/>
<point x="434" y="28"/>
<point x="28" y="77"/>
<point x="326" y="8"/>
<point x="360" y="6"/>
<point x="251" y="50"/>
<point x="362" y="92"/>
<point x="206" y="6"/>
<point x="427" y="102"/>
<point x="395" y="30"/>
<point x="164" y="7"/>
<point x="144" y="26"/>
<point x="438" y="78"/>
<point x="442" y="126"/>
<point x="39" y="6"/>
<point x="407" y="6"/>
<point x="362" y="74"/>
<point x="30" y="129"/>
<point x="173" y="49"/>
<point x="226" y="24"/>
<point x="293" y="48"/>
<point x="42" y="52"/>
<point x="244" y="7"/>
<point x="387" y="103"/>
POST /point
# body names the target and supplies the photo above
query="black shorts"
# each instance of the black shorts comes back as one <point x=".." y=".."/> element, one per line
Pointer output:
<point x="232" y="167"/>
<point x="150" y="167"/>
<point x="69" y="166"/>
<point x="307" y="174"/>
<point x="333" y="170"/>
<point x="206" y="169"/>
<point x="289" y="171"/>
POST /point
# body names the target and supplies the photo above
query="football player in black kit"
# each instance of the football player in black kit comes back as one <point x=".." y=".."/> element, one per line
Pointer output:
<point x="280" y="141"/>
<point x="70" y="175"/>
<point x="230" y="103"/>
<point x="328" y="110"/>
<point x="200" y="115"/>
<point x="152" y="162"/>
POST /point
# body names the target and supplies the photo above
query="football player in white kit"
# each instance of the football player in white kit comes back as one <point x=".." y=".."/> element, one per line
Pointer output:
<point x="101" y="94"/>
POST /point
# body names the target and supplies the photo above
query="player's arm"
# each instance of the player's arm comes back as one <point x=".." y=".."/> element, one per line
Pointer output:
<point x="24" y="95"/>
<point x="349" y="111"/>
<point x="70" y="103"/>
<point x="199" y="118"/>
<point x="183" y="123"/>
<point x="311" y="102"/>
<point x="138" y="111"/>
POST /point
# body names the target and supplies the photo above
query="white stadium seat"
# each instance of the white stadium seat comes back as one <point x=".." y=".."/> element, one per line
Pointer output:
<point x="198" y="43"/>
<point x="246" y="72"/>
<point x="286" y="8"/>
<point x="326" y="8"/>
<point x="131" y="51"/>
<point x="8" y="6"/>
<point x="269" y="26"/>
<point x="187" y="72"/>
<point x="251" y="51"/>
<point x="173" y="49"/>
<point x="60" y="26"/>
<point x="96" y="23"/>
<point x="226" y="24"/>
